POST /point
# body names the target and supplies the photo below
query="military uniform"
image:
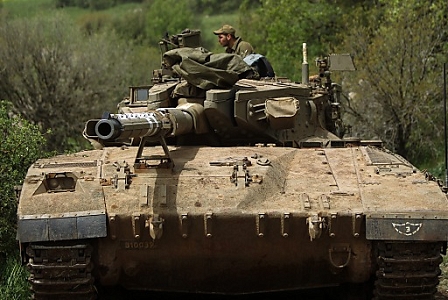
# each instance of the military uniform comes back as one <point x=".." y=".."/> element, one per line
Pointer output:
<point x="241" y="48"/>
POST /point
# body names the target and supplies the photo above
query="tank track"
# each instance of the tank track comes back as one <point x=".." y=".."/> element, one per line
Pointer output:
<point x="407" y="270"/>
<point x="61" y="271"/>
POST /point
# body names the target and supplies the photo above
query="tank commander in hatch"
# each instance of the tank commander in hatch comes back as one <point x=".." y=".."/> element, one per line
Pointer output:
<point x="234" y="44"/>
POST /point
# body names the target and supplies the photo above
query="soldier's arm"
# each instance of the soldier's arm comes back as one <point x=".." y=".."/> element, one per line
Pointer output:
<point x="245" y="49"/>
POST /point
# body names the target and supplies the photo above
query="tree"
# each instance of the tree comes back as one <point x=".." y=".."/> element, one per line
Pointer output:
<point x="396" y="91"/>
<point x="57" y="78"/>
<point x="279" y="28"/>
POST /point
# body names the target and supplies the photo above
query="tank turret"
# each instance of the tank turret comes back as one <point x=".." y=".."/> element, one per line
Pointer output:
<point x="268" y="110"/>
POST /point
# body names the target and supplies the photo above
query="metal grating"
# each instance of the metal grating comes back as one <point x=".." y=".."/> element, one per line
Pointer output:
<point x="379" y="157"/>
<point x="68" y="165"/>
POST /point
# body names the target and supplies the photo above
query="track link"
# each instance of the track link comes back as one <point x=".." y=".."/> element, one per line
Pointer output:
<point x="407" y="270"/>
<point x="60" y="271"/>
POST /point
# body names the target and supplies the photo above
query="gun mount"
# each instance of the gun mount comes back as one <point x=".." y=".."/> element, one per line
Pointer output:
<point x="146" y="127"/>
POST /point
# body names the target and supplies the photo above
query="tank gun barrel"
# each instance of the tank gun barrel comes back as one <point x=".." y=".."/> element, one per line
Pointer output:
<point x="159" y="123"/>
<point x="133" y="125"/>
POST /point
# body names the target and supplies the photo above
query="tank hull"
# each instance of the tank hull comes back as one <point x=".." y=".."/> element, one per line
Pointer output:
<point x="235" y="260"/>
<point x="235" y="220"/>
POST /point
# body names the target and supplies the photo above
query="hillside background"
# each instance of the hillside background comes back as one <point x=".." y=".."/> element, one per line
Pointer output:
<point x="79" y="56"/>
<point x="63" y="62"/>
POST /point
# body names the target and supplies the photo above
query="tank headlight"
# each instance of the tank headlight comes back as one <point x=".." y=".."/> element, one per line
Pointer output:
<point x="60" y="182"/>
<point x="53" y="183"/>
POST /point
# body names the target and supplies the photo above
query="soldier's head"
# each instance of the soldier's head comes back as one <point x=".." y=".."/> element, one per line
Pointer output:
<point x="226" y="35"/>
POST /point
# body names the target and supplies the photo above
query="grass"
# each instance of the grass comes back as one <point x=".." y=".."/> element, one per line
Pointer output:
<point x="14" y="284"/>
<point x="30" y="8"/>
<point x="123" y="8"/>
<point x="27" y="8"/>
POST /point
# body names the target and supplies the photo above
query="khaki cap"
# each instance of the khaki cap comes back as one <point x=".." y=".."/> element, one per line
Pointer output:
<point x="225" y="29"/>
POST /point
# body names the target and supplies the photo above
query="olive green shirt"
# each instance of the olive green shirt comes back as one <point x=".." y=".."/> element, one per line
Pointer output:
<point x="241" y="48"/>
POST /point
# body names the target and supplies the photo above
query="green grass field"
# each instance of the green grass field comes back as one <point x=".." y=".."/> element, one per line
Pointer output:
<point x="27" y="8"/>
<point x="30" y="8"/>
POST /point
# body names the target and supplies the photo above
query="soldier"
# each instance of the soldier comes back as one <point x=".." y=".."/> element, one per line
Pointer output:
<point x="227" y="38"/>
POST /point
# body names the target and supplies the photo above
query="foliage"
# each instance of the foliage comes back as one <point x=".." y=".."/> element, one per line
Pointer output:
<point x="131" y="26"/>
<point x="395" y="94"/>
<point x="21" y="146"/>
<point x="199" y="6"/>
<point x="139" y="26"/>
<point x="148" y="23"/>
<point x="92" y="4"/>
<point x="57" y="78"/>
<point x="279" y="28"/>
<point x="14" y="286"/>
<point x="154" y="20"/>
<point x="218" y="7"/>
<point x="168" y="17"/>
<point x="94" y="22"/>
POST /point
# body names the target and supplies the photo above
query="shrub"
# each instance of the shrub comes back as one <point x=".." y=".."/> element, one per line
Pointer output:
<point x="21" y="145"/>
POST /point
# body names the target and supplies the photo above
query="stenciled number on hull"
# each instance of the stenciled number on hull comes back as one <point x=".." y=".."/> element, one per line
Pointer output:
<point x="407" y="228"/>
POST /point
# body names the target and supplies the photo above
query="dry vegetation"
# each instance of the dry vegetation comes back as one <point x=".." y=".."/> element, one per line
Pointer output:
<point x="443" y="285"/>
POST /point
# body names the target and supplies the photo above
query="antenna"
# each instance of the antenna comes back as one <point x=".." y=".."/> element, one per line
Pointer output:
<point x="305" y="67"/>
<point x="444" y="106"/>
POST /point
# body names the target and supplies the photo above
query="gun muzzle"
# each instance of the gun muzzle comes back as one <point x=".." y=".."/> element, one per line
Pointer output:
<point x="107" y="129"/>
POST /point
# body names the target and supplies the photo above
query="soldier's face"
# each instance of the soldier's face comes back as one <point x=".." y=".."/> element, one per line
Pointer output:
<point x="224" y="39"/>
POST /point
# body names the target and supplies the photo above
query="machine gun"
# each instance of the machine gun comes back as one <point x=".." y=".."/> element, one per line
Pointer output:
<point x="187" y="38"/>
<point x="333" y="62"/>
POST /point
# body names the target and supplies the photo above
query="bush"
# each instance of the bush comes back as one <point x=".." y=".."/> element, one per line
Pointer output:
<point x="57" y="77"/>
<point x="21" y="146"/>
<point x="94" y="22"/>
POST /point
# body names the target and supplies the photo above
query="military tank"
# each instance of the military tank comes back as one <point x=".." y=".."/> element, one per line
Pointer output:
<point x="232" y="188"/>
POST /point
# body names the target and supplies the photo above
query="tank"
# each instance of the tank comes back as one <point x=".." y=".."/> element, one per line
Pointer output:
<point x="230" y="186"/>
